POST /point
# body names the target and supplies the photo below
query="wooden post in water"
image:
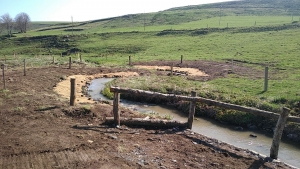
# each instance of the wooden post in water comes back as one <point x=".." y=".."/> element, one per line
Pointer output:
<point x="171" y="70"/>
<point x="192" y="111"/>
<point x="72" y="93"/>
<point x="3" y="74"/>
<point x="24" y="67"/>
<point x="181" y="60"/>
<point x="116" y="108"/>
<point x="278" y="132"/>
<point x="129" y="60"/>
<point x="266" y="78"/>
<point x="70" y="62"/>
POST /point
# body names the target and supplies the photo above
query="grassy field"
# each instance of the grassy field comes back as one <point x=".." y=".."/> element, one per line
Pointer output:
<point x="254" y="36"/>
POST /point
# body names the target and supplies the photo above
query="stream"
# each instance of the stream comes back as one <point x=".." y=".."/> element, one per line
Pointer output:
<point x="289" y="152"/>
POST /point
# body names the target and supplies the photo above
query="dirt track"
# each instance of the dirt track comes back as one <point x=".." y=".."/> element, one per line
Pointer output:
<point x="37" y="131"/>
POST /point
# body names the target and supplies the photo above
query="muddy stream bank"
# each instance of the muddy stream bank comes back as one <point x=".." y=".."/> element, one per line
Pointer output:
<point x="289" y="151"/>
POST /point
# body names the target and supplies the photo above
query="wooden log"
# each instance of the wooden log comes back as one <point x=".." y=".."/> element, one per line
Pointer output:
<point x="278" y="133"/>
<point x="147" y="122"/>
<point x="203" y="100"/>
<point x="116" y="108"/>
<point x="73" y="91"/>
<point x="192" y="111"/>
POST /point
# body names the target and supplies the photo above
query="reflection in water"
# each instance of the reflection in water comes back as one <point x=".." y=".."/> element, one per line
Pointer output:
<point x="289" y="152"/>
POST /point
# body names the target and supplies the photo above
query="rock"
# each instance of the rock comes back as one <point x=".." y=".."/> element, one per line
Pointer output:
<point x="112" y="137"/>
<point x="292" y="136"/>
<point x="90" y="141"/>
<point x="239" y="128"/>
<point x="215" y="164"/>
<point x="63" y="78"/>
<point x="253" y="135"/>
<point x="253" y="127"/>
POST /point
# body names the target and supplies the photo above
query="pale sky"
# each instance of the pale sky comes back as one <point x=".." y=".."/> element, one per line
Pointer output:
<point x="85" y="10"/>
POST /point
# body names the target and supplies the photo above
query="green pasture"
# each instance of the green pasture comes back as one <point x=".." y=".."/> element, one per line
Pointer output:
<point x="252" y="37"/>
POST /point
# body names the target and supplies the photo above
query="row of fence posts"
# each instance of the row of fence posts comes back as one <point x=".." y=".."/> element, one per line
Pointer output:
<point x="3" y="66"/>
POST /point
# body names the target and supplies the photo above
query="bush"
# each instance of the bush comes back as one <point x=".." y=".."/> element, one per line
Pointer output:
<point x="106" y="92"/>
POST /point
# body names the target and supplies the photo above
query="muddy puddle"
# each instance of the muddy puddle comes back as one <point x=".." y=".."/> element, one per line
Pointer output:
<point x="289" y="151"/>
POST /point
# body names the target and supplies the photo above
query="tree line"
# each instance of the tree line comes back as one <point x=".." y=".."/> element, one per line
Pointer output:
<point x="20" y="23"/>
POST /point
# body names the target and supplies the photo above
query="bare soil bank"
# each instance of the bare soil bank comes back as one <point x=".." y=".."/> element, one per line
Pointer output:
<point x="38" y="130"/>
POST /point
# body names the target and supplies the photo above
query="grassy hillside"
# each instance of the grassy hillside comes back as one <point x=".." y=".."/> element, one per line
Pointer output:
<point x="253" y="33"/>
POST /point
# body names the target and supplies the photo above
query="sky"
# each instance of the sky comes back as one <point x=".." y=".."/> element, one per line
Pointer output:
<point x="85" y="10"/>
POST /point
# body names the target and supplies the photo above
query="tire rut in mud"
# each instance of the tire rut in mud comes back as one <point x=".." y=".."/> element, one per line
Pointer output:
<point x="62" y="159"/>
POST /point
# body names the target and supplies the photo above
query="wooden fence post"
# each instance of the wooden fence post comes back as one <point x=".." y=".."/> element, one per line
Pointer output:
<point x="116" y="108"/>
<point x="171" y="70"/>
<point x="3" y="74"/>
<point x="192" y="111"/>
<point x="181" y="60"/>
<point x="24" y="67"/>
<point x="53" y="59"/>
<point x="72" y="93"/>
<point x="278" y="132"/>
<point x="266" y="78"/>
<point x="232" y="65"/>
<point x="70" y="62"/>
<point x="129" y="60"/>
<point x="80" y="58"/>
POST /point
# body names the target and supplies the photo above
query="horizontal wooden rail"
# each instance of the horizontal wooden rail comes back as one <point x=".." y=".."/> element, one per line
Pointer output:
<point x="206" y="101"/>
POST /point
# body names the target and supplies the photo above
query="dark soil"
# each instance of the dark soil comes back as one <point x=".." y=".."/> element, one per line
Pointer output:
<point x="38" y="129"/>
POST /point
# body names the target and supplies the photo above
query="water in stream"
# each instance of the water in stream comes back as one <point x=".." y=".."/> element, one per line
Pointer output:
<point x="289" y="152"/>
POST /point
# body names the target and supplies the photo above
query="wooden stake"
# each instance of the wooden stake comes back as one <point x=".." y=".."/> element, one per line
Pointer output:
<point x="278" y="132"/>
<point x="181" y="60"/>
<point x="72" y="93"/>
<point x="70" y="62"/>
<point x="266" y="78"/>
<point x="24" y="67"/>
<point x="129" y="60"/>
<point x="192" y="111"/>
<point x="116" y="108"/>
<point x="3" y="74"/>
<point x="232" y="65"/>
<point x="171" y="70"/>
